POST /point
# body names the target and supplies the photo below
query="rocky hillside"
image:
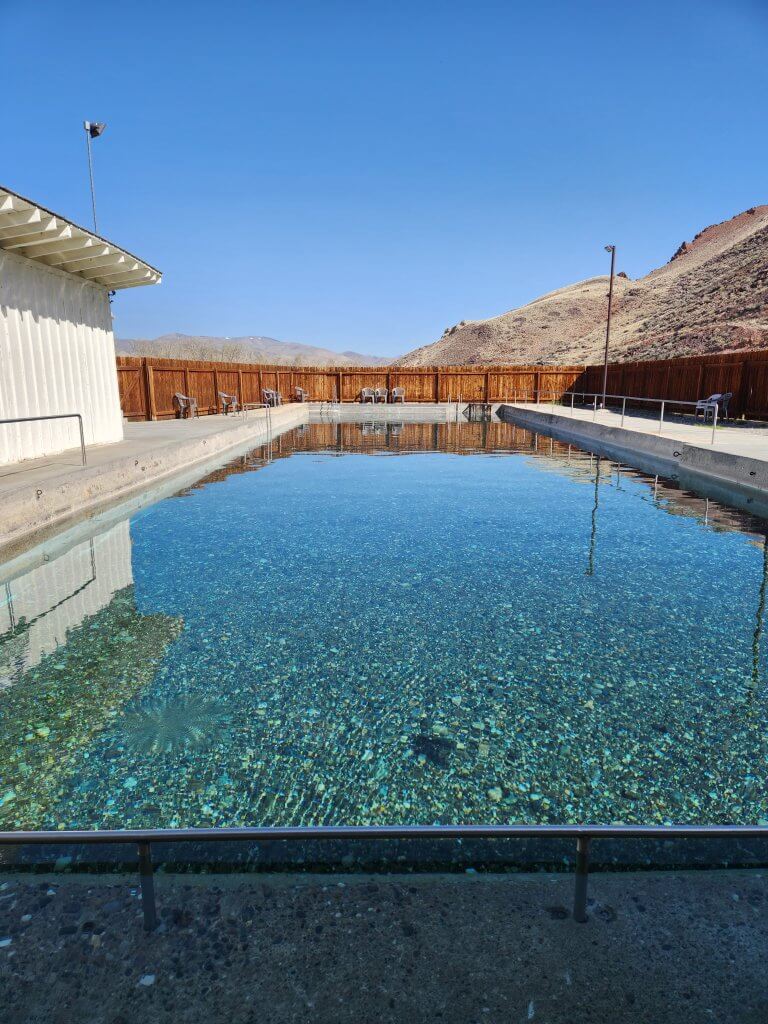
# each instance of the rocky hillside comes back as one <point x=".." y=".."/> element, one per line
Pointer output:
<point x="712" y="296"/>
<point x="253" y="349"/>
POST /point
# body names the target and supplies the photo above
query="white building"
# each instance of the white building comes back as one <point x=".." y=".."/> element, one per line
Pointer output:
<point x="57" y="350"/>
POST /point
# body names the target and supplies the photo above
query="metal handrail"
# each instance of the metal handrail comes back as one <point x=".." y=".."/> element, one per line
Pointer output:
<point x="54" y="416"/>
<point x="583" y="834"/>
<point x="624" y="399"/>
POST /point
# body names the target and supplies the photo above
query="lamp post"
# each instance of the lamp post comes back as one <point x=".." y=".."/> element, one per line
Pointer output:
<point x="93" y="129"/>
<point x="612" y="250"/>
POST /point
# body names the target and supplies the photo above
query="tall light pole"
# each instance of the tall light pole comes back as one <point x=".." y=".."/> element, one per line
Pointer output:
<point x="93" y="129"/>
<point x="612" y="250"/>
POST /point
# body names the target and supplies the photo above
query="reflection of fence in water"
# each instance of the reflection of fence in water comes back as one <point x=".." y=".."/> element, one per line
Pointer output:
<point x="493" y="438"/>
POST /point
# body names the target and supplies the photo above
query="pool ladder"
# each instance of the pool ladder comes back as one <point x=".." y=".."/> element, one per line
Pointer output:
<point x="456" y="411"/>
<point x="268" y="420"/>
<point x="329" y="404"/>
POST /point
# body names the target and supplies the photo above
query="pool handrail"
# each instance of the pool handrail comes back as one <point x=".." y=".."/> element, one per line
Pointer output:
<point x="54" y="416"/>
<point x="583" y="834"/>
<point x="560" y="395"/>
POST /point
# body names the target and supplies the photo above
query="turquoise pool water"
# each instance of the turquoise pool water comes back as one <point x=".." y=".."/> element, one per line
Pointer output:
<point x="495" y="629"/>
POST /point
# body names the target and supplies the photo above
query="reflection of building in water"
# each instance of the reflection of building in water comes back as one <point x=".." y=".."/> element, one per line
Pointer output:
<point x="75" y="649"/>
<point x="37" y="610"/>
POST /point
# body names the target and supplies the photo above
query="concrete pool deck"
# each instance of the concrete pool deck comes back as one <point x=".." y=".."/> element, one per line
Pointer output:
<point x="738" y="458"/>
<point x="662" y="948"/>
<point x="41" y="494"/>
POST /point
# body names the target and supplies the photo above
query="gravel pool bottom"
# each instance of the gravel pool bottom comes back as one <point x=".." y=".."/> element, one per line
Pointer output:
<point x="448" y="636"/>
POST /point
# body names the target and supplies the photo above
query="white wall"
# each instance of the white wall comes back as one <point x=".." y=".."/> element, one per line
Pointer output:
<point x="57" y="354"/>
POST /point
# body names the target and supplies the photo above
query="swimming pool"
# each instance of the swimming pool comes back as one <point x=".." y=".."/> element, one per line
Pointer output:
<point x="484" y="627"/>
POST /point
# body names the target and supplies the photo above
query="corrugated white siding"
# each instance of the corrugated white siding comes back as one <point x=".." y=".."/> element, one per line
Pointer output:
<point x="55" y="597"/>
<point x="57" y="354"/>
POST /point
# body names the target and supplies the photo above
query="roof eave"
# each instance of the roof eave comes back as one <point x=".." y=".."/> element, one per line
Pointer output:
<point x="30" y="230"/>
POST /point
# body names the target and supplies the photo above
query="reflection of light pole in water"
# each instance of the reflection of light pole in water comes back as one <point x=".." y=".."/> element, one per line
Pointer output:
<point x="612" y="250"/>
<point x="593" y="533"/>
<point x="758" y="632"/>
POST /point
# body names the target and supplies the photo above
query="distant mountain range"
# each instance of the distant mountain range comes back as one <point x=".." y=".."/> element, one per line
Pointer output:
<point x="253" y="349"/>
<point x="712" y="296"/>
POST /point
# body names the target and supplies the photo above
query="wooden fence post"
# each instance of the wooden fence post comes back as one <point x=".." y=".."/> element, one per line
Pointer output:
<point x="743" y="398"/>
<point x="150" y="388"/>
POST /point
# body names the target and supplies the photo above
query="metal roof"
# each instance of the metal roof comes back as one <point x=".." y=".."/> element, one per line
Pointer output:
<point x="30" y="230"/>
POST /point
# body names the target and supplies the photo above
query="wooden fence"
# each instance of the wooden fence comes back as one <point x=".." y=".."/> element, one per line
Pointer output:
<point x="147" y="386"/>
<point x="690" y="378"/>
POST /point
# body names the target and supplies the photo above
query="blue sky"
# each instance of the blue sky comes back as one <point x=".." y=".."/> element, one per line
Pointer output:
<point x="361" y="175"/>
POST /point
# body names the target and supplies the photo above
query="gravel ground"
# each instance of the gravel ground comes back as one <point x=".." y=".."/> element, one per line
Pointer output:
<point x="683" y="947"/>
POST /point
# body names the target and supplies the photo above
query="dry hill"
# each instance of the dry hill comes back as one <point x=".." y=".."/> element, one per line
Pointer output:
<point x="252" y="349"/>
<point x="712" y="296"/>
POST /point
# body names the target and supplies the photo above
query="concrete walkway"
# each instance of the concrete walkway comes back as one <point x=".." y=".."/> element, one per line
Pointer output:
<point x="683" y="451"/>
<point x="733" y="439"/>
<point x="658" y="948"/>
<point x="41" y="494"/>
<point x="139" y="440"/>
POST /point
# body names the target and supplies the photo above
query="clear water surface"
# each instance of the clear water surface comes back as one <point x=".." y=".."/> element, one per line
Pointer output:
<point x="495" y="629"/>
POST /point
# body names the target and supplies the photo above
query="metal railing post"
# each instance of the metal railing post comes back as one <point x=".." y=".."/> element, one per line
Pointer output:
<point x="573" y="399"/>
<point x="594" y="408"/>
<point x="82" y="438"/>
<point x="714" y="423"/>
<point x="623" y="409"/>
<point x="582" y="876"/>
<point x="147" y="879"/>
<point x="661" y="417"/>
